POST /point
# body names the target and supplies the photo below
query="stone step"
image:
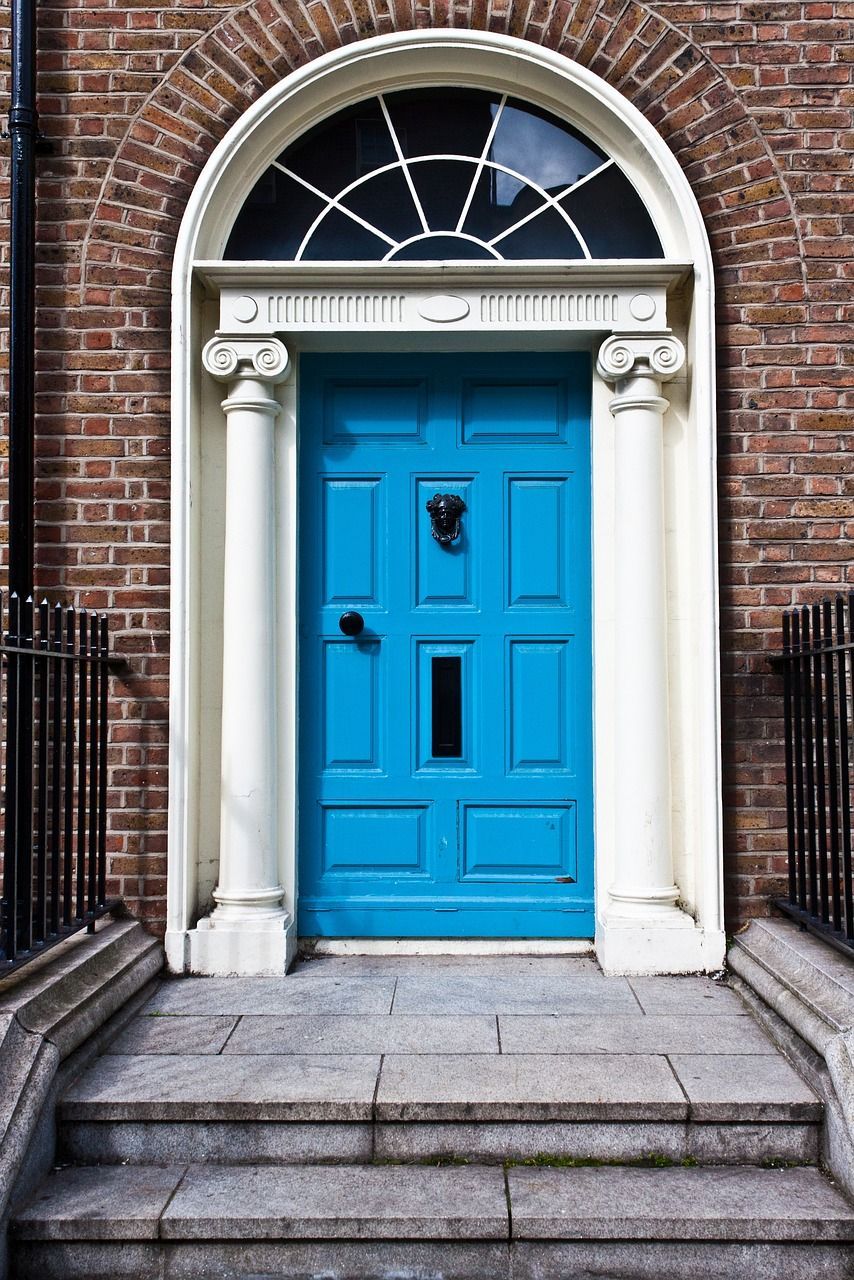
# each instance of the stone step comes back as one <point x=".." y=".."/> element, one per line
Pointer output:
<point x="293" y="1108"/>
<point x="806" y="981"/>
<point x="254" y="1142"/>
<point x="392" y="1220"/>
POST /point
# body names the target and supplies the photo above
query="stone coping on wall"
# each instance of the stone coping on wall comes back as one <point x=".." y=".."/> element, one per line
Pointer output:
<point x="802" y="991"/>
<point x="53" y="1019"/>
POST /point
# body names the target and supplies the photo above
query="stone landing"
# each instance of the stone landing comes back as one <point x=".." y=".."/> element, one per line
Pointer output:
<point x="439" y="1117"/>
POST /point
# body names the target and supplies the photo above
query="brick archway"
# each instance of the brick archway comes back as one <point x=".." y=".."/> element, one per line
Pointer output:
<point x="659" y="69"/>
<point x="125" y="278"/>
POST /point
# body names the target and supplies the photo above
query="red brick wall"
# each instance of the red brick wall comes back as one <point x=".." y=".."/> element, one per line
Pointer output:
<point x="755" y="101"/>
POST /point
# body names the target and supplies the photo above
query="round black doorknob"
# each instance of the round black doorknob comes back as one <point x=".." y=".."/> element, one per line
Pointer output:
<point x="351" y="623"/>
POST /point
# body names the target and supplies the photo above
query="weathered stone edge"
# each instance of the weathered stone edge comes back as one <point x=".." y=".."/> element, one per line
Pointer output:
<point x="804" y="1033"/>
<point x="47" y="1014"/>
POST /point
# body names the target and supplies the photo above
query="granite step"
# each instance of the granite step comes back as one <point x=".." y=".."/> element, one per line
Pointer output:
<point x="395" y="1220"/>
<point x="300" y="1107"/>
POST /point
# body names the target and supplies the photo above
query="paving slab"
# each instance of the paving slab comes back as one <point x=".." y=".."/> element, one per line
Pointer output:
<point x="694" y="1033"/>
<point x="178" y="1034"/>
<point x="677" y="1204"/>
<point x="682" y="996"/>
<point x="744" y="1087"/>
<point x="119" y="1203"/>
<point x="327" y="1203"/>
<point x="298" y="1087"/>
<point x="528" y="992"/>
<point x="305" y="992"/>
<point x="528" y="1087"/>
<point x="338" y="1033"/>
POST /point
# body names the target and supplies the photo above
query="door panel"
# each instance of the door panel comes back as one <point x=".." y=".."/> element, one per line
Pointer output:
<point x="354" y="540"/>
<point x="535" y="527"/>
<point x="444" y="575"/>
<point x="445" y="753"/>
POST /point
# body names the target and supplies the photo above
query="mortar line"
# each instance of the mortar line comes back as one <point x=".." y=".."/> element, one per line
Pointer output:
<point x="169" y="1200"/>
<point x="374" y="1111"/>
<point x="682" y="1090"/>
<point x="637" y="997"/>
<point x="237" y="1023"/>
<point x="509" y="1206"/>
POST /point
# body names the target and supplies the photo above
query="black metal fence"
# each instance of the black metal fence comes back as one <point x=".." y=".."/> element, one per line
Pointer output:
<point x="818" y="672"/>
<point x="54" y="706"/>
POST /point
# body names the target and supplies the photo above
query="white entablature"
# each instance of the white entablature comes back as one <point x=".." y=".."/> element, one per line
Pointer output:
<point x="260" y="299"/>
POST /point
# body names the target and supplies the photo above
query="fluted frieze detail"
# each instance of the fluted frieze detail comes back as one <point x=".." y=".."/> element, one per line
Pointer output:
<point x="226" y="358"/>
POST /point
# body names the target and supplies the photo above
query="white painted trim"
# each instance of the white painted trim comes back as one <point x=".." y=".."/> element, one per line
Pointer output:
<point x="450" y="947"/>
<point x="525" y="298"/>
<point x="570" y="91"/>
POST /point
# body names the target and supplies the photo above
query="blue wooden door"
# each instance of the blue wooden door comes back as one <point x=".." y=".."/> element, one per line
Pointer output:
<point x="445" y="761"/>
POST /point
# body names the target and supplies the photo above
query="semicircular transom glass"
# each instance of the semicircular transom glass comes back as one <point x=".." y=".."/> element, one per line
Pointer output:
<point x="443" y="175"/>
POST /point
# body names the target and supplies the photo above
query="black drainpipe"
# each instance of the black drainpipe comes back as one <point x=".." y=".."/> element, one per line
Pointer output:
<point x="16" y="906"/>
<point x="23" y="132"/>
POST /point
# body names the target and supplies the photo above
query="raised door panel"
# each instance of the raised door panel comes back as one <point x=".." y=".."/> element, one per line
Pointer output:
<point x="354" y="521"/>
<point x="444" y="575"/>
<point x="352" y="710"/>
<point x="535" y="530"/>
<point x="501" y="412"/>
<point x="540" y="706"/>
<point x="374" y="411"/>
<point x="368" y="840"/>
<point x="523" y="843"/>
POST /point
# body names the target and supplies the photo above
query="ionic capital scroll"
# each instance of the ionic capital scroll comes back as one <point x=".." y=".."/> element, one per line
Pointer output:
<point x="629" y="355"/>
<point x="227" y="358"/>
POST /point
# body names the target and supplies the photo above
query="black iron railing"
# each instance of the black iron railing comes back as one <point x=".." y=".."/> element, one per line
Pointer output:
<point x="54" y="703"/>
<point x="817" y="664"/>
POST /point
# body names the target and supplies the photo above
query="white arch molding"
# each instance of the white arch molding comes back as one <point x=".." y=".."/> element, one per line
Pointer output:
<point x="659" y="898"/>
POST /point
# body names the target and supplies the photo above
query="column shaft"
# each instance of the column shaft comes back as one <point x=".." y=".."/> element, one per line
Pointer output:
<point x="644" y="869"/>
<point x="248" y="861"/>
<point x="643" y="887"/>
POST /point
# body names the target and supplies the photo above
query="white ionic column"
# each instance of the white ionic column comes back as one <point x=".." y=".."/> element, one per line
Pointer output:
<point x="638" y="919"/>
<point x="249" y="932"/>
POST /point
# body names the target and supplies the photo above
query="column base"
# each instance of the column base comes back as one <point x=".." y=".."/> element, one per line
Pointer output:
<point x="665" y="942"/>
<point x="262" y="949"/>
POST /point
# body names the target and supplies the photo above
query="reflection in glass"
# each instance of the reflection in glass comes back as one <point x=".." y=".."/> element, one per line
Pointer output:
<point x="442" y="173"/>
<point x="547" y="151"/>
<point x="498" y="201"/>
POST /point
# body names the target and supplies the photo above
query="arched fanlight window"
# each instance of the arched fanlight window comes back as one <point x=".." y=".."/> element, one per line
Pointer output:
<point x="443" y="174"/>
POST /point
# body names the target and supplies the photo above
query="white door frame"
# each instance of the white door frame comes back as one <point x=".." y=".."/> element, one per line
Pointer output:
<point x="657" y="771"/>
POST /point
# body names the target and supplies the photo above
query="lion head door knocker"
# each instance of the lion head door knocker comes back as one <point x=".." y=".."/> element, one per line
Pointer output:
<point x="445" y="510"/>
